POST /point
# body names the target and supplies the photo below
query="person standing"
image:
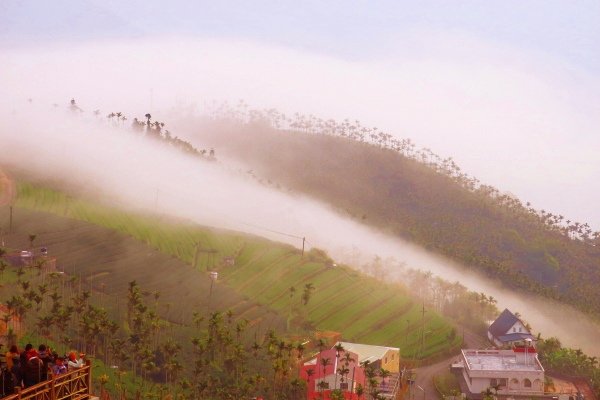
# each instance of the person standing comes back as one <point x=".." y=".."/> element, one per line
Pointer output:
<point x="75" y="362"/>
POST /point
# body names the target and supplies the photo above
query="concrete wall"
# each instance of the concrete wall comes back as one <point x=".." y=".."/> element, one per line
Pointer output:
<point x="391" y="361"/>
<point x="516" y="384"/>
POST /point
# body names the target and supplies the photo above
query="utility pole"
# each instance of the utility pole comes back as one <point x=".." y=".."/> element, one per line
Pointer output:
<point x="213" y="277"/>
<point x="10" y="220"/>
<point x="196" y="255"/>
<point x="407" y="332"/>
<point x="303" y="242"/>
<point x="422" y="328"/>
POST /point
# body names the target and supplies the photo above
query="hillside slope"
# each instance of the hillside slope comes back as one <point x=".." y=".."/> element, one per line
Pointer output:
<point x="449" y="214"/>
<point x="362" y="308"/>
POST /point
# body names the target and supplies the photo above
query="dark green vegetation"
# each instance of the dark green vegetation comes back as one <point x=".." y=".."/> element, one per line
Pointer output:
<point x="138" y="306"/>
<point x="343" y="300"/>
<point x="153" y="129"/>
<point x="447" y="384"/>
<point x="416" y="195"/>
<point x="569" y="362"/>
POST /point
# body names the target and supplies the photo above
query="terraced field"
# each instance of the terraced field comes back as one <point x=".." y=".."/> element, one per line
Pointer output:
<point x="110" y="248"/>
<point x="108" y="260"/>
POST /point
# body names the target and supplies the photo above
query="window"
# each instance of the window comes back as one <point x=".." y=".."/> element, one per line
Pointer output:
<point x="502" y="382"/>
<point x="519" y="329"/>
<point x="385" y="360"/>
<point x="344" y="385"/>
<point x="527" y="383"/>
<point x="493" y="382"/>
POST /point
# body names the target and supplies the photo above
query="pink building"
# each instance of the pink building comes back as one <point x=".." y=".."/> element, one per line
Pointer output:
<point x="332" y="370"/>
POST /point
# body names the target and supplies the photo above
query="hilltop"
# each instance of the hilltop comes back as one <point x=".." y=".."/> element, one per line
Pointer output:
<point x="416" y="195"/>
<point x="256" y="287"/>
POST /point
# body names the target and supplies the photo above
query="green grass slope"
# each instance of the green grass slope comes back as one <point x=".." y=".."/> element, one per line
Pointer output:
<point x="450" y="214"/>
<point x="103" y="245"/>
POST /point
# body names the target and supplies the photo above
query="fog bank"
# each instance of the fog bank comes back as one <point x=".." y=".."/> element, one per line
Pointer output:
<point x="132" y="171"/>
<point x="521" y="121"/>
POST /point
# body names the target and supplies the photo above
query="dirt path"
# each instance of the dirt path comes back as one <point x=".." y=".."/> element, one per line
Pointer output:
<point x="7" y="189"/>
<point x="423" y="386"/>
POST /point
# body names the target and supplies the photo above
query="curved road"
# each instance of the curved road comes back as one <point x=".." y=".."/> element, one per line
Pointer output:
<point x="423" y="386"/>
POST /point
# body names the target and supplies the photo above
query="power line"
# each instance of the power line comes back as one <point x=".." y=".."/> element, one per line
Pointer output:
<point x="272" y="231"/>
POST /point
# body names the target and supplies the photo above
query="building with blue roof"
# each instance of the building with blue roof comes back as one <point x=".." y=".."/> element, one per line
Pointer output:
<point x="508" y="330"/>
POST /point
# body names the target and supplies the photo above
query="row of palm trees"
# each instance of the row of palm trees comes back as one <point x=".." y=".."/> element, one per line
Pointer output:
<point x="451" y="299"/>
<point x="456" y="215"/>
<point x="153" y="129"/>
<point x="354" y="130"/>
<point x="225" y="358"/>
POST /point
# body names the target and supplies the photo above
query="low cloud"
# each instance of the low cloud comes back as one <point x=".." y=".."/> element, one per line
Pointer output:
<point x="512" y="121"/>
<point x="520" y="121"/>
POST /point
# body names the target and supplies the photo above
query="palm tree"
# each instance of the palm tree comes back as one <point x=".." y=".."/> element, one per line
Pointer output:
<point x="31" y="240"/>
<point x="324" y="363"/>
<point x="339" y="348"/>
<point x="343" y="371"/>
<point x="360" y="390"/>
<point x="488" y="394"/>
<point x="383" y="373"/>
<point x="148" y="123"/>
<point x="308" y="289"/>
<point x="309" y="372"/>
<point x="336" y="394"/>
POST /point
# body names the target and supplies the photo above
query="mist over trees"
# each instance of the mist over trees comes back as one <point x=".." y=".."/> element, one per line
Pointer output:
<point x="152" y="129"/>
<point x="414" y="193"/>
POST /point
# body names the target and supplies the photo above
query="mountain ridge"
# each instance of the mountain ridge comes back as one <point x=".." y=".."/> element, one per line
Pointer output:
<point x="469" y="222"/>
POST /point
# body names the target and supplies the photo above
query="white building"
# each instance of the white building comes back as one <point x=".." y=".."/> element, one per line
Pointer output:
<point x="507" y="330"/>
<point x="384" y="357"/>
<point x="515" y="372"/>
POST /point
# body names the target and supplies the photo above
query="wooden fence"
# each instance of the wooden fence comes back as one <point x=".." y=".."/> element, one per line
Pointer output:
<point x="74" y="385"/>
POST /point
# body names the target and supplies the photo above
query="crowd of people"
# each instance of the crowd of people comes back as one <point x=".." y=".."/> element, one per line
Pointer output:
<point x="22" y="369"/>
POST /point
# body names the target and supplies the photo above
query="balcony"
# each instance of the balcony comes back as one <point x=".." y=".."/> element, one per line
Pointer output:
<point x="74" y="385"/>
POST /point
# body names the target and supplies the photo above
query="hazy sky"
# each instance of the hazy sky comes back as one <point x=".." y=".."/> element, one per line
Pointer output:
<point x="568" y="30"/>
<point x="510" y="89"/>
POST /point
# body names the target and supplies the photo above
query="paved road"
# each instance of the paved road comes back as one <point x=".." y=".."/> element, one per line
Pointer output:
<point x="423" y="387"/>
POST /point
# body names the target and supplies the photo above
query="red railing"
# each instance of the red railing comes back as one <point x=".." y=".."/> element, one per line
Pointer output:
<point x="74" y="385"/>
